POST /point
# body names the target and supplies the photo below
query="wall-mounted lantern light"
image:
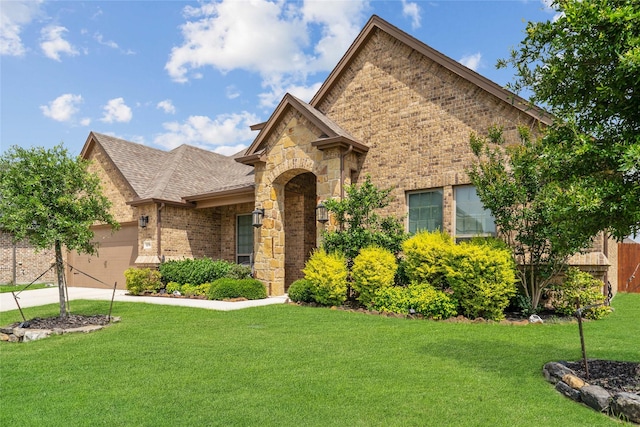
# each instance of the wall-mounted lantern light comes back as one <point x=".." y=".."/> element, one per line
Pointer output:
<point x="256" y="217"/>
<point x="322" y="214"/>
<point x="143" y="221"/>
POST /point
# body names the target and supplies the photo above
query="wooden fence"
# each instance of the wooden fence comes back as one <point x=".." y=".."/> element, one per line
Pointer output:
<point x="629" y="267"/>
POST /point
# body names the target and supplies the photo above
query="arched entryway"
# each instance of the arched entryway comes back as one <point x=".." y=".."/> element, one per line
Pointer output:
<point x="299" y="224"/>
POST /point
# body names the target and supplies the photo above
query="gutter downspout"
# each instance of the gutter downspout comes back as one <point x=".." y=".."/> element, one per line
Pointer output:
<point x="158" y="229"/>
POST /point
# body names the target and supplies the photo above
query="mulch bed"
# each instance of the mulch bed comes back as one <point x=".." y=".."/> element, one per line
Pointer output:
<point x="613" y="376"/>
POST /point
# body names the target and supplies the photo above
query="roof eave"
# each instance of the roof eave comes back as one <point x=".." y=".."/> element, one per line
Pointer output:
<point x="139" y="202"/>
<point x="340" y="142"/>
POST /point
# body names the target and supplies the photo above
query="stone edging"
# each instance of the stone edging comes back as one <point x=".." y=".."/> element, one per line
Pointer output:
<point x="17" y="334"/>
<point x="623" y="405"/>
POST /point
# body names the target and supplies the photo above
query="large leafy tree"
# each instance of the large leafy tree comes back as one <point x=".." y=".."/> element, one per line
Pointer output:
<point x="584" y="67"/>
<point x="529" y="208"/>
<point x="51" y="199"/>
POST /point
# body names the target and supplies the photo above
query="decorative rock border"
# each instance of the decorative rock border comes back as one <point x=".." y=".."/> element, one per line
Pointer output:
<point x="623" y="405"/>
<point x="18" y="334"/>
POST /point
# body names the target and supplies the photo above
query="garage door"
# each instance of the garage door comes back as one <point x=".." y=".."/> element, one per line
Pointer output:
<point x="116" y="253"/>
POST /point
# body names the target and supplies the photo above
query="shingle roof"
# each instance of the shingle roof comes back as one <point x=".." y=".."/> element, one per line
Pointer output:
<point x="176" y="174"/>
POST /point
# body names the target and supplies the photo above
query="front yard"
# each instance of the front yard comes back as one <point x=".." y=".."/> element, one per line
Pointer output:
<point x="289" y="365"/>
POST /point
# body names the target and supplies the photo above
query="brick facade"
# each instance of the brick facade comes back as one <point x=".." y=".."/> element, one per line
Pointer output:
<point x="21" y="264"/>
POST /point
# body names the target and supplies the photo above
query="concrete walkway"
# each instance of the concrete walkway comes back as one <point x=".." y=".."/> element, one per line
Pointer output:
<point x="50" y="296"/>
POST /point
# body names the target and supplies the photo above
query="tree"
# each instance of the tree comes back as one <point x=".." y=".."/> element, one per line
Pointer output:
<point x="359" y="224"/>
<point x="529" y="208"/>
<point x="585" y="68"/>
<point x="51" y="200"/>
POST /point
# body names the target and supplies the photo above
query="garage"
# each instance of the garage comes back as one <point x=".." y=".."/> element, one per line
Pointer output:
<point x="116" y="252"/>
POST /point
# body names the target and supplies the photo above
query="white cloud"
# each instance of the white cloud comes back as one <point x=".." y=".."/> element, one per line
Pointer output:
<point x="204" y="132"/>
<point x="272" y="39"/>
<point x="53" y="44"/>
<point x="471" y="61"/>
<point x="232" y="92"/>
<point x="305" y="93"/>
<point x="116" y="111"/>
<point x="109" y="43"/>
<point x="14" y="16"/>
<point x="167" y="106"/>
<point x="412" y="10"/>
<point x="85" y="121"/>
<point x="63" y="108"/>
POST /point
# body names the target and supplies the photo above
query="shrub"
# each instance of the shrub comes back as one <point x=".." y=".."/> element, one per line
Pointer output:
<point x="327" y="273"/>
<point x="300" y="291"/>
<point x="423" y="298"/>
<point x="189" y="290"/>
<point x="426" y="255"/>
<point x="140" y="280"/>
<point x="430" y="302"/>
<point x="194" y="271"/>
<point x="226" y="288"/>
<point x="482" y="277"/>
<point x="583" y="287"/>
<point x="172" y="287"/>
<point x="237" y="271"/>
<point x="372" y="269"/>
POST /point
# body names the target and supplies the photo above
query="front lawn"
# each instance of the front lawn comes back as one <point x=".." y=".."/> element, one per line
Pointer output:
<point x="288" y="365"/>
<point x="18" y="288"/>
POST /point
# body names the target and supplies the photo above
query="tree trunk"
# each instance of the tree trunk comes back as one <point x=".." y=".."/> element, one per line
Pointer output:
<point x="61" y="284"/>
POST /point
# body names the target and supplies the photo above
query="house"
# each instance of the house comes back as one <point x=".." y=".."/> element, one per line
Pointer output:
<point x="393" y="108"/>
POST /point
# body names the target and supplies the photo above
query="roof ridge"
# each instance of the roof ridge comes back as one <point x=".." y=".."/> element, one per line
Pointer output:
<point x="166" y="170"/>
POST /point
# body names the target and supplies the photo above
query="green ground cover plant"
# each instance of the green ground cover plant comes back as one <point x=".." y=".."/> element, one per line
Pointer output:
<point x="285" y="365"/>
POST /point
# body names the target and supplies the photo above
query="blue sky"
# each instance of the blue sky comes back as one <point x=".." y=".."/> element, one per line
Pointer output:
<point x="165" y="73"/>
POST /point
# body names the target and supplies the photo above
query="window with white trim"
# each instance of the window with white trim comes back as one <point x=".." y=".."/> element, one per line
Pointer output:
<point x="425" y="210"/>
<point x="472" y="219"/>
<point x="244" y="239"/>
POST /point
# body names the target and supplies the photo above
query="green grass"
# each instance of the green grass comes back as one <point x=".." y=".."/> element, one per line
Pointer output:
<point x="287" y="365"/>
<point x="18" y="288"/>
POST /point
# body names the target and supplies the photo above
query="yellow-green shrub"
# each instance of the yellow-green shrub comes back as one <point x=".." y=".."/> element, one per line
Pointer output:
<point x="584" y="287"/>
<point x="327" y="274"/>
<point x="140" y="280"/>
<point x="483" y="279"/>
<point x="372" y="269"/>
<point x="426" y="255"/>
<point x="421" y="297"/>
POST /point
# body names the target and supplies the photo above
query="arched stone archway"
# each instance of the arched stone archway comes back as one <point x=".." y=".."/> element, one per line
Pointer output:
<point x="299" y="225"/>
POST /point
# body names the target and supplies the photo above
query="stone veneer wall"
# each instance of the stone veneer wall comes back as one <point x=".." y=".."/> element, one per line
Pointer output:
<point x="28" y="263"/>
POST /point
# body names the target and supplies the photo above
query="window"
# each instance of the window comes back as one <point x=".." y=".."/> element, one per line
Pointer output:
<point x="425" y="211"/>
<point x="472" y="219"/>
<point x="244" y="239"/>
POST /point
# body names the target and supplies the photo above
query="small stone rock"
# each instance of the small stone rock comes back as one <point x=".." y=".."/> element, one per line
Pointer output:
<point x="565" y="389"/>
<point x="596" y="397"/>
<point x="36" y="334"/>
<point x="573" y="381"/>
<point x="19" y="332"/>
<point x="554" y="371"/>
<point x="626" y="406"/>
<point x="4" y="337"/>
<point x="14" y="338"/>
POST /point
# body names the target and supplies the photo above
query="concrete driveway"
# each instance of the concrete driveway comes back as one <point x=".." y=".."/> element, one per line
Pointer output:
<point x="50" y="296"/>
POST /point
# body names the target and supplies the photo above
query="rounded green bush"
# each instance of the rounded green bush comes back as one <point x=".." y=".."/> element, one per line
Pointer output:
<point x="372" y="269"/>
<point x="585" y="288"/>
<point x="483" y="279"/>
<point x="426" y="255"/>
<point x="226" y="288"/>
<point x="423" y="298"/>
<point x="327" y="273"/>
<point x="172" y="287"/>
<point x="140" y="280"/>
<point x="300" y="291"/>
